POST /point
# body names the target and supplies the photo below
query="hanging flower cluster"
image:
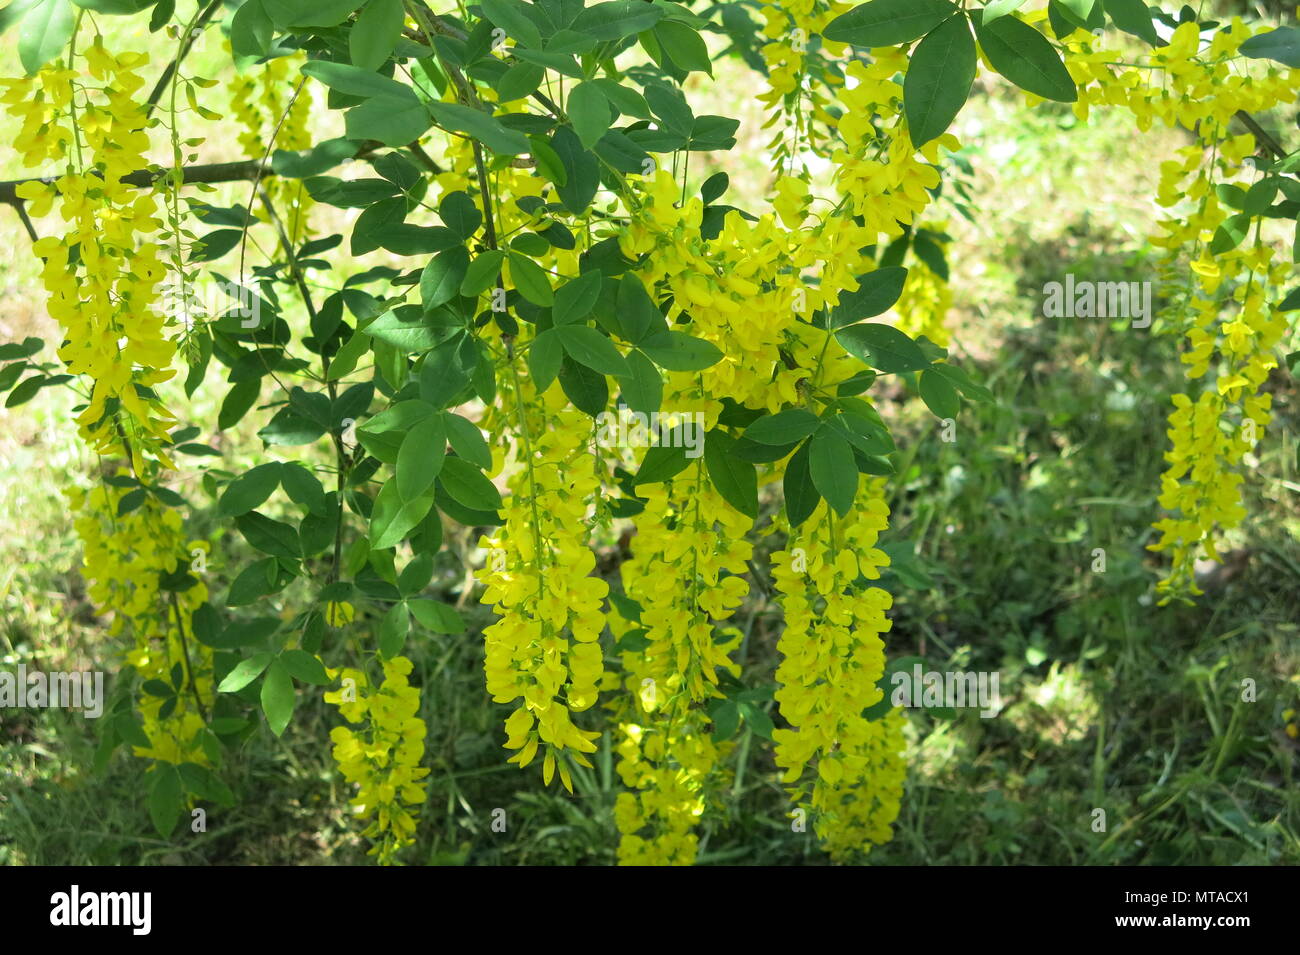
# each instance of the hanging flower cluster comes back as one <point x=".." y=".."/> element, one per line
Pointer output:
<point x="1232" y="272"/>
<point x="136" y="560"/>
<point x="383" y="759"/>
<point x="832" y="660"/>
<point x="543" y="651"/>
<point x="686" y="571"/>
<point x="103" y="272"/>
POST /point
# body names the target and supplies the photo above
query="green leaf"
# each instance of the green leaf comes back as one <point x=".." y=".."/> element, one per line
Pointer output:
<point x="25" y="391"/>
<point x="441" y="279"/>
<point x="735" y="479"/>
<point x="519" y="81"/>
<point x="257" y="580"/>
<point x="616" y="20"/>
<point x="883" y="347"/>
<point x="1133" y="16"/>
<point x="581" y="171"/>
<point x="460" y="214"/>
<point x="166" y="800"/>
<point x="244" y="673"/>
<point x="963" y="382"/>
<point x="305" y="667"/>
<point x="877" y="292"/>
<point x="417" y="573"/>
<point x="588" y="110"/>
<point x="1290" y="302"/>
<point x="249" y="490"/>
<point x="784" y="427"/>
<point x="289" y="428"/>
<point x="1259" y="197"/>
<point x="303" y="488"/>
<point x="479" y="125"/>
<point x="939" y="395"/>
<point x="393" y="630"/>
<point x="1082" y="11"/>
<point x="939" y="79"/>
<point x="406" y="329"/>
<point x="1026" y="58"/>
<point x="1230" y="234"/>
<point x="375" y="34"/>
<point x="468" y="485"/>
<point x="549" y="163"/>
<point x="834" y="473"/>
<point x="1282" y="45"/>
<point x="576" y="298"/>
<point x="392" y="120"/>
<point x="531" y="280"/>
<point x="587" y="389"/>
<point x="205" y="784"/>
<point x="270" y="537"/>
<point x="512" y="16"/>
<point x="643" y="387"/>
<point x="589" y="347"/>
<point x="637" y="312"/>
<point x="14" y="12"/>
<point x="678" y="351"/>
<point x="421" y="457"/>
<point x="25" y="349"/>
<point x="624" y="98"/>
<point x="545" y="355"/>
<point x="759" y="723"/>
<point x="45" y="31"/>
<point x="437" y="616"/>
<point x="1000" y="8"/>
<point x="684" y="46"/>
<point x="670" y="105"/>
<point x="392" y="519"/>
<point x="726" y="719"/>
<point x="357" y="81"/>
<point x="11" y="374"/>
<point x="467" y="440"/>
<point x="661" y="463"/>
<point x="863" y="434"/>
<point x="888" y="22"/>
<point x="242" y="396"/>
<point x="277" y="697"/>
<point x="309" y="13"/>
<point x="482" y="272"/>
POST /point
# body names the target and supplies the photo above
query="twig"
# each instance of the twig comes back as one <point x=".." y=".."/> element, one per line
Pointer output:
<point x="1261" y="135"/>
<point x="174" y="65"/>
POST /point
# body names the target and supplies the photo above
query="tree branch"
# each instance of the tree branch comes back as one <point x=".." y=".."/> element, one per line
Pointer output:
<point x="1261" y="135"/>
<point x="209" y="172"/>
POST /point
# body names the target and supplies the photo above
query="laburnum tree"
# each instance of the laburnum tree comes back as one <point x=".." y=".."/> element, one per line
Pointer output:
<point x="523" y="170"/>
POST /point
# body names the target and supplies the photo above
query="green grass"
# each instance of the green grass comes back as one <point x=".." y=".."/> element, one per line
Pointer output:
<point x="1110" y="702"/>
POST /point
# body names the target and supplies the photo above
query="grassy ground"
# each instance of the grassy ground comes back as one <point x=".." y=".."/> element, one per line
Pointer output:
<point x="1110" y="703"/>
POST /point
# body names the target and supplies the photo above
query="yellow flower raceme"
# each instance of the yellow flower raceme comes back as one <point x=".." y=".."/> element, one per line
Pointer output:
<point x="127" y="556"/>
<point x="1229" y="327"/>
<point x="544" y="652"/>
<point x="383" y="759"/>
<point x="689" y="556"/>
<point x="105" y="297"/>
<point x="832" y="659"/>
